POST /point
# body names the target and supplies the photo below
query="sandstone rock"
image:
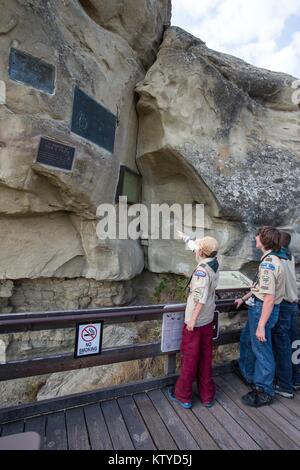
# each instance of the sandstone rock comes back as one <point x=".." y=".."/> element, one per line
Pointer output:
<point x="76" y="381"/>
<point x="6" y="289"/>
<point x="48" y="243"/>
<point x="60" y="245"/>
<point x="68" y="294"/>
<point x="38" y="201"/>
<point x="217" y="131"/>
<point x="15" y="392"/>
<point x="140" y="23"/>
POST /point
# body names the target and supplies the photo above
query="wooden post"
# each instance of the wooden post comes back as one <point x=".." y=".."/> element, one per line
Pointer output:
<point x="170" y="364"/>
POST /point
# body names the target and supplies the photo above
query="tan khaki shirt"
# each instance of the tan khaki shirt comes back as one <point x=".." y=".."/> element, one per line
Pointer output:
<point x="270" y="279"/>
<point x="202" y="289"/>
<point x="289" y="271"/>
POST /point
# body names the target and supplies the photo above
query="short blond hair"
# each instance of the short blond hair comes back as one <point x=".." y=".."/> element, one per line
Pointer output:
<point x="208" y="245"/>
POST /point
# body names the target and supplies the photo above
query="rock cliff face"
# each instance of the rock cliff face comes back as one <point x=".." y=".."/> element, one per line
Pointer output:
<point x="218" y="131"/>
<point x="199" y="126"/>
<point x="212" y="130"/>
<point x="48" y="226"/>
<point x="52" y="52"/>
<point x="140" y="22"/>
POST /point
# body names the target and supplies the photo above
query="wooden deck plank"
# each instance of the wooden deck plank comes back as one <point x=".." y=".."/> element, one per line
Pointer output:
<point x="271" y="414"/>
<point x="291" y="404"/>
<point x="233" y="426"/>
<point x="159" y="432"/>
<point x="139" y="433"/>
<point x="12" y="428"/>
<point x="149" y="420"/>
<point x="76" y="430"/>
<point x="297" y="397"/>
<point x="286" y="413"/>
<point x="214" y="427"/>
<point x="203" y="438"/>
<point x="56" y="432"/>
<point x="254" y="413"/>
<point x="225" y="398"/>
<point x="177" y="429"/>
<point x="53" y="405"/>
<point x="116" y="426"/>
<point x="97" y="429"/>
<point x="37" y="424"/>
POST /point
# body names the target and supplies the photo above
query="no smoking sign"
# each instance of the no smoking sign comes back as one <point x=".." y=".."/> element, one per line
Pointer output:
<point x="88" y="339"/>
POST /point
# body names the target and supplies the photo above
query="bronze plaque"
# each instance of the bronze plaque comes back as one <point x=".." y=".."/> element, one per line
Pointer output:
<point x="55" y="154"/>
<point x="92" y="121"/>
<point x="31" y="71"/>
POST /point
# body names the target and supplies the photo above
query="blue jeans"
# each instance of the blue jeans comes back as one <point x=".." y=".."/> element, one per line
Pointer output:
<point x="285" y="332"/>
<point x="256" y="358"/>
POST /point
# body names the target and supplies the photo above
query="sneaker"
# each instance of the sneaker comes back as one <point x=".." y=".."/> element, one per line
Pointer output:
<point x="296" y="387"/>
<point x="209" y="404"/>
<point x="283" y="393"/>
<point x="235" y="367"/>
<point x="257" y="398"/>
<point x="187" y="405"/>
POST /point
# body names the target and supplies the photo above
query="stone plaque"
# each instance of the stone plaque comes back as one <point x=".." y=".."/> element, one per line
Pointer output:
<point x="129" y="185"/>
<point x="92" y="121"/>
<point x="31" y="71"/>
<point x="55" y="154"/>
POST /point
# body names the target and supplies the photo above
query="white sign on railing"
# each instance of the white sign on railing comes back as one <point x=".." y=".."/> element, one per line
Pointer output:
<point x="172" y="326"/>
<point x="88" y="340"/>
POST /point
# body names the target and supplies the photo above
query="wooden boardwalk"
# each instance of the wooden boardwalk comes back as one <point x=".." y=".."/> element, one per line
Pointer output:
<point x="148" y="420"/>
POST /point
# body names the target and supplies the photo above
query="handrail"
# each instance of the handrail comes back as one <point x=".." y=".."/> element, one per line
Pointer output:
<point x="18" y="322"/>
<point x="63" y="319"/>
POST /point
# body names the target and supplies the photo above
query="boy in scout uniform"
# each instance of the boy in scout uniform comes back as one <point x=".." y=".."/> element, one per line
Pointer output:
<point x="256" y="365"/>
<point x="286" y="330"/>
<point x="196" y="346"/>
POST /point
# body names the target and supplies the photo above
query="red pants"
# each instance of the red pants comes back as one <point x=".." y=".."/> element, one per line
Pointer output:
<point x="196" y="363"/>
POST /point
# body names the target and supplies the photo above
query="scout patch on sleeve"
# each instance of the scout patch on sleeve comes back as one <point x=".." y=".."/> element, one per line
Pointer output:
<point x="268" y="266"/>
<point x="199" y="293"/>
<point x="199" y="274"/>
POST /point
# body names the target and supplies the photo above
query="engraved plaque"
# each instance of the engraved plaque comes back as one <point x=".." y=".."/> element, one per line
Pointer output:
<point x="92" y="121"/>
<point x="55" y="154"/>
<point x="31" y="71"/>
<point x="129" y="185"/>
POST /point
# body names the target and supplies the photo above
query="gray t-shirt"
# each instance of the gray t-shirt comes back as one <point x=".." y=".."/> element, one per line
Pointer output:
<point x="289" y="273"/>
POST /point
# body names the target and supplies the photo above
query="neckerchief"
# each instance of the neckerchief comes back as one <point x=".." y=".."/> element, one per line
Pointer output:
<point x="213" y="264"/>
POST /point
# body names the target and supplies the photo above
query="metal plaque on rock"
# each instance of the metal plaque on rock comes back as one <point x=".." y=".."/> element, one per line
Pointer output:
<point x="92" y="121"/>
<point x="31" y="71"/>
<point x="55" y="154"/>
<point x="130" y="185"/>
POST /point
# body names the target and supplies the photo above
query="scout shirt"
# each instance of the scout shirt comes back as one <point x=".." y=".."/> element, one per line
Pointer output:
<point x="202" y="290"/>
<point x="270" y="278"/>
<point x="289" y="272"/>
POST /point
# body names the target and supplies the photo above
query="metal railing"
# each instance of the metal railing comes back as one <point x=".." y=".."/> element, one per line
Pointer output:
<point x="37" y="321"/>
